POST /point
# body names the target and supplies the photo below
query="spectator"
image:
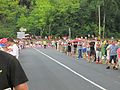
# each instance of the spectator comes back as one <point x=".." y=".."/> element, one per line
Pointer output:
<point x="69" y="49"/>
<point x="45" y="44"/>
<point x="118" y="55"/>
<point x="92" y="51"/>
<point x="88" y="52"/>
<point x="11" y="73"/>
<point x="113" y="55"/>
<point x="13" y="48"/>
<point x="80" y="50"/>
<point x="98" y="52"/>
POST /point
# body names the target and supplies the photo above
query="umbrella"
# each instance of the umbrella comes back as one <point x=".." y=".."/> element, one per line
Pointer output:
<point x="3" y="40"/>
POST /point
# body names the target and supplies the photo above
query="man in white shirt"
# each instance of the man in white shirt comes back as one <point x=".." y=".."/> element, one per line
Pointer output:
<point x="13" y="48"/>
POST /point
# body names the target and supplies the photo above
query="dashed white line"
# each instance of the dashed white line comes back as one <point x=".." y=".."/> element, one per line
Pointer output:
<point x="86" y="79"/>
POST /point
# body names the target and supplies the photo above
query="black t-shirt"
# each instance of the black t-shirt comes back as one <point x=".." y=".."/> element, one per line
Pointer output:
<point x="92" y="45"/>
<point x="69" y="47"/>
<point x="11" y="72"/>
<point x="75" y="45"/>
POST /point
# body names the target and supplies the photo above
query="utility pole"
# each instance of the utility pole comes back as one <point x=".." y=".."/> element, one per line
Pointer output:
<point x="41" y="32"/>
<point x="49" y="29"/>
<point x="104" y="18"/>
<point x="99" y="22"/>
<point x="69" y="33"/>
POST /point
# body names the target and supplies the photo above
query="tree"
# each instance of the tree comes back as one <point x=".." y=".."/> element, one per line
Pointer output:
<point x="55" y="17"/>
<point x="8" y="12"/>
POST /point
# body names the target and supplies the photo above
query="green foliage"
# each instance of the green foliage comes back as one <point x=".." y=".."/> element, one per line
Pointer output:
<point x="8" y="12"/>
<point x="55" y="17"/>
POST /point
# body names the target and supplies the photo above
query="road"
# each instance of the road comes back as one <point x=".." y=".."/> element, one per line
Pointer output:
<point x="48" y="69"/>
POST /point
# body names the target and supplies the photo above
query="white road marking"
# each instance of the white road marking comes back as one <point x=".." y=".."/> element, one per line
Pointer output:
<point x="86" y="79"/>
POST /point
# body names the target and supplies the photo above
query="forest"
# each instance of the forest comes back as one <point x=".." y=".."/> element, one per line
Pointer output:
<point x="57" y="17"/>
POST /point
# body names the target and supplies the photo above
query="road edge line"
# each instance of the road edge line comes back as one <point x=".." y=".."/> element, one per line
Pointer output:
<point x="86" y="79"/>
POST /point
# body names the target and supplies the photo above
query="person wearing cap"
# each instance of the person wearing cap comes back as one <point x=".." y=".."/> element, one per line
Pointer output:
<point x="14" y="50"/>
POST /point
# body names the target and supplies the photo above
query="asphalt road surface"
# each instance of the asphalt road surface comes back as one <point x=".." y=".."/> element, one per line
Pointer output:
<point x="48" y="69"/>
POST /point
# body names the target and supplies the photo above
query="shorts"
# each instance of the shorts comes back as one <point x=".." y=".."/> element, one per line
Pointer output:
<point x="84" y="50"/>
<point x="114" y="58"/>
<point x="98" y="54"/>
<point x="92" y="52"/>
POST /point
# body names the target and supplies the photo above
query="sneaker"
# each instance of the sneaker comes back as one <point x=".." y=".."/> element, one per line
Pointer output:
<point x="108" y="67"/>
<point x="97" y="62"/>
<point x="115" y="68"/>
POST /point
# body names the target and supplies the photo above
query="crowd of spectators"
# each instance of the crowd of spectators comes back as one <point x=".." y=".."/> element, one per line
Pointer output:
<point x="91" y="50"/>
